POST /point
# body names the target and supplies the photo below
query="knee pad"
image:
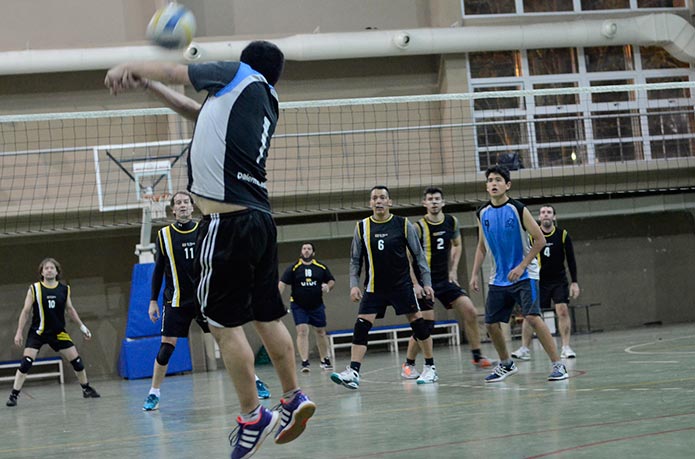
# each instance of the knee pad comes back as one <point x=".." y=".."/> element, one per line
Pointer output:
<point x="421" y="330"/>
<point x="164" y="354"/>
<point x="77" y="364"/>
<point x="26" y="364"/>
<point x="430" y="325"/>
<point x="360" y="334"/>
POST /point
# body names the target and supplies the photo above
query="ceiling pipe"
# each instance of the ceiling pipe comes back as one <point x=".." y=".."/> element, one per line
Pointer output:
<point x="672" y="32"/>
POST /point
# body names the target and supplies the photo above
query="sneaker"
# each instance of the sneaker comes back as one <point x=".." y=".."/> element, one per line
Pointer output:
<point x="262" y="389"/>
<point x="294" y="414"/>
<point x="306" y="366"/>
<point x="559" y="372"/>
<point x="428" y="375"/>
<point x="523" y="353"/>
<point x="568" y="353"/>
<point x="151" y="403"/>
<point x="12" y="401"/>
<point x="484" y="362"/>
<point x="500" y="372"/>
<point x="409" y="372"/>
<point x="89" y="392"/>
<point x="348" y="378"/>
<point x="248" y="436"/>
<point x="326" y="364"/>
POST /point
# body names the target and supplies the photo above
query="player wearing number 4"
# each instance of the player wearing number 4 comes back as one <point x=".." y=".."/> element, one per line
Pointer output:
<point x="441" y="241"/>
<point x="47" y="301"/>
<point x="504" y="227"/>
<point x="554" y="287"/>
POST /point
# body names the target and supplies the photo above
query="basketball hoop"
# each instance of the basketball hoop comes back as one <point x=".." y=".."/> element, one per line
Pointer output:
<point x="157" y="203"/>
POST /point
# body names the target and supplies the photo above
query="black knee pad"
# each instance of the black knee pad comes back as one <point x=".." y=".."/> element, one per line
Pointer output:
<point x="77" y="364"/>
<point x="430" y="325"/>
<point x="360" y="334"/>
<point x="421" y="330"/>
<point x="26" y="364"/>
<point x="164" y="354"/>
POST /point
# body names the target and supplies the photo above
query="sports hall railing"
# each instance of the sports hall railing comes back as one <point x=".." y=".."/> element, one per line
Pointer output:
<point x="72" y="171"/>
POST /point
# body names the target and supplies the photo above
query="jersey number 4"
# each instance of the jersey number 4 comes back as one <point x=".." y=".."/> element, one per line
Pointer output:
<point x="546" y="251"/>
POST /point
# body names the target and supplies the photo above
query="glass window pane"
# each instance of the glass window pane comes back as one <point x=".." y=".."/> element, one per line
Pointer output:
<point x="670" y="122"/>
<point x="608" y="58"/>
<point x="564" y="128"/>
<point x="656" y="57"/>
<point x="672" y="93"/>
<point x="612" y="152"/>
<point x="498" y="103"/>
<point x="488" y="7"/>
<point x="616" y="125"/>
<point x="552" y="61"/>
<point x="556" y="99"/>
<point x="660" y="3"/>
<point x="499" y="132"/>
<point x="616" y="96"/>
<point x="543" y="6"/>
<point x="495" y="64"/>
<point x="674" y="148"/>
<point x="513" y="159"/>
<point x="590" y="5"/>
<point x="562" y="156"/>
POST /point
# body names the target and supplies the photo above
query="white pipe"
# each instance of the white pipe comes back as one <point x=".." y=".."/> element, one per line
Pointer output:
<point x="672" y="32"/>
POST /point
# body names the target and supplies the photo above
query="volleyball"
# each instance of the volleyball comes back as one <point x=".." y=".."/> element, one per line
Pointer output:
<point x="172" y="26"/>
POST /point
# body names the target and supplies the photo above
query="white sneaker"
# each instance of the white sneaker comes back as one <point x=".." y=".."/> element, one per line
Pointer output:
<point x="409" y="372"/>
<point x="348" y="378"/>
<point x="523" y="353"/>
<point x="428" y="375"/>
<point x="568" y="353"/>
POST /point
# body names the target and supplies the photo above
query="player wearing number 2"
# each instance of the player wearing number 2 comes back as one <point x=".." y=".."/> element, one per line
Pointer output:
<point x="47" y="301"/>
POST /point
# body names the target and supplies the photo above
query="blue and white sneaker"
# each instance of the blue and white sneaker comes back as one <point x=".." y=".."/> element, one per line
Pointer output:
<point x="151" y="403"/>
<point x="348" y="378"/>
<point x="248" y="436"/>
<point x="262" y="389"/>
<point x="559" y="372"/>
<point x="500" y="372"/>
<point x="294" y="414"/>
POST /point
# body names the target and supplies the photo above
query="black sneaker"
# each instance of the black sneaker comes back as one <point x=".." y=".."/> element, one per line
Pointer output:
<point x="12" y="401"/>
<point x="326" y="364"/>
<point x="89" y="392"/>
<point x="306" y="366"/>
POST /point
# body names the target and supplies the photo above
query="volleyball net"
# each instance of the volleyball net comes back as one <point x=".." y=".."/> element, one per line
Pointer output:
<point x="74" y="171"/>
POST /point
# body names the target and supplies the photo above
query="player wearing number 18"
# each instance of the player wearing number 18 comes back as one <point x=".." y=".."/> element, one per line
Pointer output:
<point x="46" y="302"/>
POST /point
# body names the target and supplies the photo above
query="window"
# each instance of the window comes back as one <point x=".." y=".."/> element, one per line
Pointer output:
<point x="591" y="5"/>
<point x="489" y="7"/>
<point x="567" y="127"/>
<point x="562" y="156"/>
<point x="495" y="64"/>
<point x="655" y="57"/>
<point x="608" y="58"/>
<point x="552" y="61"/>
<point x="498" y="103"/>
<point x="556" y="99"/>
<point x="547" y="6"/>
<point x="660" y="3"/>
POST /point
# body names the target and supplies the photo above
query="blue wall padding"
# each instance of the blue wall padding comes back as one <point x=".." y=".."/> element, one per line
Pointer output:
<point x="139" y="324"/>
<point x="137" y="357"/>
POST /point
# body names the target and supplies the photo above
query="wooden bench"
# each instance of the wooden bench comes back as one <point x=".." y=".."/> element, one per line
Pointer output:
<point x="34" y="374"/>
<point x="391" y="335"/>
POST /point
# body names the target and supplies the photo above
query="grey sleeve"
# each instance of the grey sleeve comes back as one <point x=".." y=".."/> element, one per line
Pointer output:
<point x="419" y="255"/>
<point x="355" y="258"/>
<point x="212" y="76"/>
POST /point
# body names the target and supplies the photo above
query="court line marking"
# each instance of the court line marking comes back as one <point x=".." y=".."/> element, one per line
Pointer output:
<point x="631" y="349"/>
<point x="653" y="361"/>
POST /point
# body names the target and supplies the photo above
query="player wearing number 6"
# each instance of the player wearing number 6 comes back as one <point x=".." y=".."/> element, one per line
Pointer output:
<point x="47" y="301"/>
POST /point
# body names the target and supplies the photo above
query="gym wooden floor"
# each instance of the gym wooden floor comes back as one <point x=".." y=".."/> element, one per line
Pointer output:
<point x="630" y="395"/>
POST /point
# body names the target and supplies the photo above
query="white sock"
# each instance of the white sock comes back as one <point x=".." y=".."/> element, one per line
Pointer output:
<point x="248" y="417"/>
<point x="154" y="391"/>
<point x="257" y="378"/>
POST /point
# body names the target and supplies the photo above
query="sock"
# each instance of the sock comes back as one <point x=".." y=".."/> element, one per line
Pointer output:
<point x="256" y="376"/>
<point x="16" y="391"/>
<point x="356" y="366"/>
<point x="253" y="414"/>
<point x="327" y="360"/>
<point x="507" y="363"/>
<point x="154" y="391"/>
<point x="476" y="355"/>
<point x="84" y="386"/>
<point x="429" y="362"/>
<point x="305" y="363"/>
<point x="410" y="362"/>
<point x="289" y="395"/>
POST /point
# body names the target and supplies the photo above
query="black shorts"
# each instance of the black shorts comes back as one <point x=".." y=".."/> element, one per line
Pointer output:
<point x="446" y="292"/>
<point x="57" y="341"/>
<point x="403" y="302"/>
<point x="501" y="300"/>
<point x="555" y="291"/>
<point x="237" y="268"/>
<point x="177" y="321"/>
